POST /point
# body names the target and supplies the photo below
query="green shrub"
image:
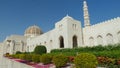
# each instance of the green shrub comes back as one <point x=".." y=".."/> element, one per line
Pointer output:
<point x="89" y="49"/>
<point x="111" y="54"/>
<point x="22" y="56"/>
<point x="26" y="53"/>
<point x="36" y="58"/>
<point x="111" y="51"/>
<point x="13" y="56"/>
<point x="60" y="60"/>
<point x="85" y="60"/>
<point x="28" y="57"/>
<point x="18" y="52"/>
<point x="16" y="56"/>
<point x="46" y="58"/>
<point x="7" y="55"/>
<point x="40" y="50"/>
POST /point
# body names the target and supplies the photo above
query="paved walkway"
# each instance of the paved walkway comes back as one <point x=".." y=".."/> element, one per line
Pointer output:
<point x="7" y="63"/>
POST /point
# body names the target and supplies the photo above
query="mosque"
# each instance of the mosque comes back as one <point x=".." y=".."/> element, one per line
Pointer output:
<point x="67" y="33"/>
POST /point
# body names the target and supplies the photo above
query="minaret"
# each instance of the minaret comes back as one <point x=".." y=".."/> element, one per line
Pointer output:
<point x="86" y="14"/>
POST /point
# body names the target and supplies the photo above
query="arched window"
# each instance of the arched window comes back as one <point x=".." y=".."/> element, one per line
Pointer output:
<point x="8" y="48"/>
<point x="45" y="43"/>
<point x="40" y="43"/>
<point x="22" y="44"/>
<point x="61" y="41"/>
<point x="99" y="40"/>
<point x="74" y="41"/>
<point x="50" y="42"/>
<point x="91" y="41"/>
<point x="28" y="48"/>
<point x="109" y="38"/>
<point x="74" y="26"/>
<point x="118" y="36"/>
<point x="13" y="46"/>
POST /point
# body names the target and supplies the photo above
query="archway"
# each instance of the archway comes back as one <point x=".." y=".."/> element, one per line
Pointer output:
<point x="50" y="42"/>
<point x="91" y="41"/>
<point x="74" y="41"/>
<point x="13" y="47"/>
<point x="118" y="36"/>
<point x="22" y="44"/>
<point x="99" y="40"/>
<point x="61" y="39"/>
<point x="8" y="48"/>
<point x="109" y="38"/>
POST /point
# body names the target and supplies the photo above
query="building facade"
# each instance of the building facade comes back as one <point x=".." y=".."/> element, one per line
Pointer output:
<point x="67" y="33"/>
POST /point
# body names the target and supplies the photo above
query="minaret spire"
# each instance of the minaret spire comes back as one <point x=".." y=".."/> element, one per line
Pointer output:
<point x="86" y="14"/>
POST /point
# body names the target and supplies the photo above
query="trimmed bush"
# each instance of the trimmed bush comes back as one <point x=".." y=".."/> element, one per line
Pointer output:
<point x="40" y="50"/>
<point x="28" y="57"/>
<point x="7" y="55"/>
<point x="36" y="58"/>
<point x="18" y="52"/>
<point x="15" y="55"/>
<point x="22" y="56"/>
<point x="26" y="52"/>
<point x="60" y="60"/>
<point x="85" y="60"/>
<point x="46" y="58"/>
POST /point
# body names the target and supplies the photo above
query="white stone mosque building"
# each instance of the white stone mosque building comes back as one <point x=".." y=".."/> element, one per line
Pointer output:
<point x="67" y="33"/>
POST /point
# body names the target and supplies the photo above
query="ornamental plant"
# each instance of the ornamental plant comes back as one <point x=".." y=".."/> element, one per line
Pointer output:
<point x="36" y="58"/>
<point x="7" y="55"/>
<point x="28" y="57"/>
<point x="85" y="60"/>
<point x="118" y="62"/>
<point x="15" y="55"/>
<point x="71" y="59"/>
<point x="105" y="61"/>
<point x="22" y="56"/>
<point x="60" y="60"/>
<point x="46" y="58"/>
<point x="40" y="49"/>
<point x="18" y="52"/>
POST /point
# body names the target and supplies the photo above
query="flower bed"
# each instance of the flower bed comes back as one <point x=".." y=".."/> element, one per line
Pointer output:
<point x="107" y="56"/>
<point x="36" y="65"/>
<point x="43" y="66"/>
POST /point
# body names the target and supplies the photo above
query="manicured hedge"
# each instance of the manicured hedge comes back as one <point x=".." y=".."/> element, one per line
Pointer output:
<point x="46" y="58"/>
<point x="36" y="58"/>
<point x="112" y="51"/>
<point x="18" y="52"/>
<point x="87" y="49"/>
<point x="40" y="49"/>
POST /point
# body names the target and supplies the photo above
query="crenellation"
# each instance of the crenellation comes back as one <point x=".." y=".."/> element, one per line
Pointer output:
<point x="107" y="22"/>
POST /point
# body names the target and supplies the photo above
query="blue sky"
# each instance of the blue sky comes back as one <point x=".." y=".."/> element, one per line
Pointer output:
<point x="17" y="15"/>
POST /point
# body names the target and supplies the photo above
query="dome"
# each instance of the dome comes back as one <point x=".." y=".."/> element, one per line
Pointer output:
<point x="33" y="31"/>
